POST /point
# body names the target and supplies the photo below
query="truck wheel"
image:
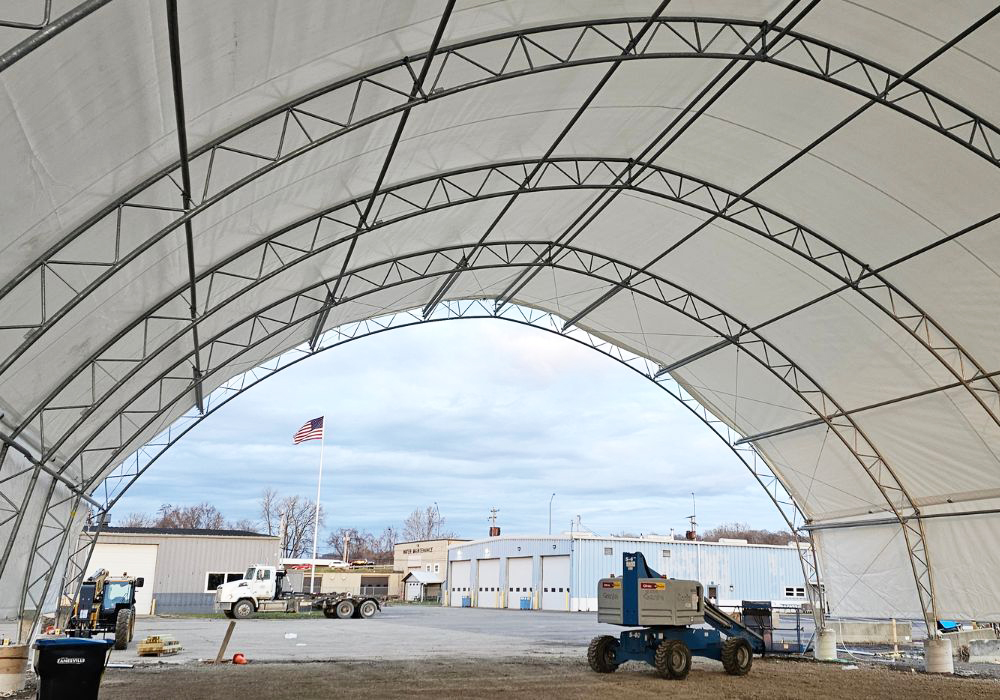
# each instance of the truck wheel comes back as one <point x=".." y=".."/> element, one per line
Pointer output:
<point x="242" y="609"/>
<point x="737" y="656"/>
<point x="329" y="613"/>
<point x="673" y="659"/>
<point x="367" y="609"/>
<point x="122" y="624"/>
<point x="344" y="609"/>
<point x="601" y="654"/>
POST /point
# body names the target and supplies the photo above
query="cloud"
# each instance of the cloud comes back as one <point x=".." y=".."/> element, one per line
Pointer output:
<point x="472" y="415"/>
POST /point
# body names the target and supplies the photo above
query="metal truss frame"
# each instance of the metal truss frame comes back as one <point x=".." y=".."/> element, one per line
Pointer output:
<point x="116" y="484"/>
<point x="404" y="201"/>
<point x="55" y="283"/>
<point x="225" y="348"/>
<point x="45" y="29"/>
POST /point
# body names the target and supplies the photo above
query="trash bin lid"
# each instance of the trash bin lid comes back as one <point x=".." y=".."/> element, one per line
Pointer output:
<point x="70" y="642"/>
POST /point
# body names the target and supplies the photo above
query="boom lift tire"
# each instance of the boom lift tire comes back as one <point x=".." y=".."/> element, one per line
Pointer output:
<point x="123" y="629"/>
<point x="344" y="609"/>
<point x="243" y="609"/>
<point x="601" y="654"/>
<point x="367" y="609"/>
<point x="673" y="659"/>
<point x="737" y="656"/>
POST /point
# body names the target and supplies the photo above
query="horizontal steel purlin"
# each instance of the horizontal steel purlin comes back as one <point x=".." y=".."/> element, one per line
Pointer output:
<point x="299" y="126"/>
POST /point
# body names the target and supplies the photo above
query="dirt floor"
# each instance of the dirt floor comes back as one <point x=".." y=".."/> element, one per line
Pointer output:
<point x="529" y="678"/>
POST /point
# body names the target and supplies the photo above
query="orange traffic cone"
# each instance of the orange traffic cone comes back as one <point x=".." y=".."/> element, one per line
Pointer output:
<point x="238" y="658"/>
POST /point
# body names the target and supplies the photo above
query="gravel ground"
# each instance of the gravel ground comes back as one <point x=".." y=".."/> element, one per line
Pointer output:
<point x="451" y="652"/>
<point x="529" y="678"/>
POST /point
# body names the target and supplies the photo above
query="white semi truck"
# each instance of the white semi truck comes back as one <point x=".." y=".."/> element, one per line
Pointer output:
<point x="267" y="589"/>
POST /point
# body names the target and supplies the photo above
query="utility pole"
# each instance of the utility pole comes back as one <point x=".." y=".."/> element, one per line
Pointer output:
<point x="494" y="530"/>
<point x="436" y="530"/>
<point x="550" y="512"/>
<point x="347" y="543"/>
<point x="692" y="534"/>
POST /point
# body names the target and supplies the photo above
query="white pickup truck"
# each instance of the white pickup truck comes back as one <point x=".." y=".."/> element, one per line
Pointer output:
<point x="266" y="589"/>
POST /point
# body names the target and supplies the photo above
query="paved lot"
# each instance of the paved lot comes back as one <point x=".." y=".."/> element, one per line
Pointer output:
<point x="398" y="632"/>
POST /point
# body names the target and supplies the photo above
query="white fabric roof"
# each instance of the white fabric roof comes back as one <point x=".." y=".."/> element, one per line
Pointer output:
<point x="820" y="216"/>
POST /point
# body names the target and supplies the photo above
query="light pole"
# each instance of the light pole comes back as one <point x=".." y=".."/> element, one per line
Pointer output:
<point x="436" y="530"/>
<point x="550" y="512"/>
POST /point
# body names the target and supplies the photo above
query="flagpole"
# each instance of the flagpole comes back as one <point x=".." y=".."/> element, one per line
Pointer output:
<point x="319" y="483"/>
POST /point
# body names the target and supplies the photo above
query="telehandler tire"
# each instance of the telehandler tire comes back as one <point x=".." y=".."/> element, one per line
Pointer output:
<point x="673" y="659"/>
<point x="123" y="629"/>
<point x="601" y="654"/>
<point x="737" y="656"/>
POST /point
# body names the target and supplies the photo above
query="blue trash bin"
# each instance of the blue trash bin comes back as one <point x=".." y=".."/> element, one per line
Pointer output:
<point x="466" y="601"/>
<point x="525" y="603"/>
<point x="70" y="667"/>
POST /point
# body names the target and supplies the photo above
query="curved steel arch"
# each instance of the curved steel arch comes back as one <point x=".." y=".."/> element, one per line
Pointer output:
<point x="474" y="184"/>
<point x="139" y="462"/>
<point x="512" y="254"/>
<point x="688" y="37"/>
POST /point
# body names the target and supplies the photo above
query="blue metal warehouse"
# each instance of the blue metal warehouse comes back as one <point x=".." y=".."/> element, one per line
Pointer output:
<point x="560" y="572"/>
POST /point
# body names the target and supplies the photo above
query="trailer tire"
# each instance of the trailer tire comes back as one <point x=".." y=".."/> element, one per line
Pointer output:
<point x="737" y="656"/>
<point x="123" y="624"/>
<point x="344" y="609"/>
<point x="367" y="609"/>
<point x="329" y="613"/>
<point x="601" y="654"/>
<point x="243" y="608"/>
<point x="673" y="659"/>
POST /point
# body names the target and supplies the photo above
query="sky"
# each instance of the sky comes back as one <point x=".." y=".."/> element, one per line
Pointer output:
<point x="473" y="415"/>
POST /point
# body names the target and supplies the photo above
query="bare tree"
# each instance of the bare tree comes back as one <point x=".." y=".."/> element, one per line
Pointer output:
<point x="270" y="518"/>
<point x="742" y="531"/>
<point x="200" y="516"/>
<point x="425" y="524"/>
<point x="244" y="524"/>
<point x="137" y="520"/>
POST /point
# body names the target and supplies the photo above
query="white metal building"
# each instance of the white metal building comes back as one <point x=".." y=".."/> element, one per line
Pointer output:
<point x="181" y="567"/>
<point x="560" y="572"/>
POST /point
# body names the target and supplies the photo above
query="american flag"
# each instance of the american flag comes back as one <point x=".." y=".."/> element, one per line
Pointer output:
<point x="312" y="430"/>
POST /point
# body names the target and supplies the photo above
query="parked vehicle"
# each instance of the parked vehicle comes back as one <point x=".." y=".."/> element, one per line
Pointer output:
<point x="105" y="605"/>
<point x="266" y="589"/>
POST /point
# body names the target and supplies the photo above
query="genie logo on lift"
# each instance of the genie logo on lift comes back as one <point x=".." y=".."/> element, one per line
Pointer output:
<point x="652" y="586"/>
<point x="611" y="584"/>
<point x="70" y="660"/>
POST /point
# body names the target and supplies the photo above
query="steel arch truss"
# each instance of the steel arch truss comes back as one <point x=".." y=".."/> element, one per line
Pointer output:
<point x="58" y="280"/>
<point x="174" y="386"/>
<point x="116" y="484"/>
<point x="331" y="228"/>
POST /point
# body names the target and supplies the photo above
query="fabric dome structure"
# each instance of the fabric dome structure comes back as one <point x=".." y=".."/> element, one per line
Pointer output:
<point x="786" y="208"/>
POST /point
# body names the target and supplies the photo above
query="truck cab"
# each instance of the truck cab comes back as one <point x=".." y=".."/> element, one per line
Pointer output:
<point x="243" y="597"/>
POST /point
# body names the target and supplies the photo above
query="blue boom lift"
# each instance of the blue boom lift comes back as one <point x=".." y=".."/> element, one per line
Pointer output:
<point x="666" y="610"/>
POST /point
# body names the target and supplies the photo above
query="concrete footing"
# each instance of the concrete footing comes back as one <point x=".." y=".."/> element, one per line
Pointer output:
<point x="826" y="645"/>
<point x="937" y="656"/>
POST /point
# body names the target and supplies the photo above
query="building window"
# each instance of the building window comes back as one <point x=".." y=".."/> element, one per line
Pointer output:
<point x="307" y="584"/>
<point x="437" y="568"/>
<point x="666" y="553"/>
<point x="215" y="579"/>
<point x="795" y="592"/>
<point x="608" y="551"/>
<point x="713" y="592"/>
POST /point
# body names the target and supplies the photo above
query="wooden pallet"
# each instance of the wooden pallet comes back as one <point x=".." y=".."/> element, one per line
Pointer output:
<point x="159" y="645"/>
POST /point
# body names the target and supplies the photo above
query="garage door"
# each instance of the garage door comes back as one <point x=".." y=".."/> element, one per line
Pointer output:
<point x="133" y="559"/>
<point x="458" y="582"/>
<point x="489" y="583"/>
<point x="519" y="583"/>
<point x="555" y="583"/>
